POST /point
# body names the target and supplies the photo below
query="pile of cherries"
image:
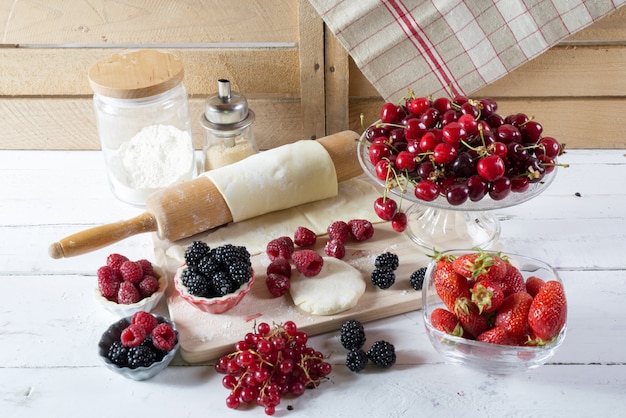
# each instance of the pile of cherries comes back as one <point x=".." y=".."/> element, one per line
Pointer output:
<point x="458" y="148"/>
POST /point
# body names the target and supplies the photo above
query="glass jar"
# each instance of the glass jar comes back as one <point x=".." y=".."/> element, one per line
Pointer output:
<point x="227" y="121"/>
<point x="144" y="124"/>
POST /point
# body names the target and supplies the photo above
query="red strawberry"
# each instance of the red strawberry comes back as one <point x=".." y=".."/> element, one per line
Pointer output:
<point x="487" y="295"/>
<point x="513" y="314"/>
<point x="471" y="320"/>
<point x="496" y="335"/>
<point x="480" y="265"/>
<point x="449" y="284"/>
<point x="548" y="311"/>
<point x="446" y="321"/>
<point x="513" y="280"/>
<point x="533" y="284"/>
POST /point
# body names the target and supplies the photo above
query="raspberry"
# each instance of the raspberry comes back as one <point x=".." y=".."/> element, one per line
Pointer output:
<point x="281" y="247"/>
<point x="417" y="278"/>
<point x="339" y="231"/>
<point x="164" y="337"/>
<point x="361" y="229"/>
<point x="356" y="360"/>
<point x="133" y="335"/>
<point x="304" y="237"/>
<point x="140" y="356"/>
<point x="279" y="266"/>
<point x="146" y="267"/>
<point x="108" y="282"/>
<point x="131" y="272"/>
<point x="116" y="260"/>
<point x="148" y="286"/>
<point x="128" y="294"/>
<point x="145" y="320"/>
<point x="382" y="354"/>
<point x="277" y="284"/>
<point x="334" y="248"/>
<point x="308" y="262"/>
<point x="195" y="252"/>
<point x="387" y="260"/>
<point x="383" y="277"/>
<point x="352" y="334"/>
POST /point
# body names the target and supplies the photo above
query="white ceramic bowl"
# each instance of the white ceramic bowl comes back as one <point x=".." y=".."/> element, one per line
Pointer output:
<point x="216" y="305"/>
<point x="145" y="304"/>
<point x="140" y="373"/>
<point x="491" y="358"/>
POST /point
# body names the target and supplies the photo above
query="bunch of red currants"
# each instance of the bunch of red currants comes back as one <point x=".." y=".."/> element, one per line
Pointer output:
<point x="458" y="148"/>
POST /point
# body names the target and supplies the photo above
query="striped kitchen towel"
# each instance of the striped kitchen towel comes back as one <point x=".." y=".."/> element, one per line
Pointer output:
<point x="440" y="47"/>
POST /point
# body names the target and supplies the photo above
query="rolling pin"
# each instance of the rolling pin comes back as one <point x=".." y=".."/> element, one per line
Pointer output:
<point x="188" y="208"/>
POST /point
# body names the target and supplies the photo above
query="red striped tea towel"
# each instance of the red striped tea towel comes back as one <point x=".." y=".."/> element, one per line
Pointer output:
<point x="442" y="46"/>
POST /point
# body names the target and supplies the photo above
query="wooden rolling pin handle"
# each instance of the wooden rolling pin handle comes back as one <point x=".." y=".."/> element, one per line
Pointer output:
<point x="101" y="236"/>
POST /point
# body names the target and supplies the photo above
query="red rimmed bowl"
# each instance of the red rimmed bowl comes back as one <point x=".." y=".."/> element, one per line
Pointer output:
<point x="215" y="305"/>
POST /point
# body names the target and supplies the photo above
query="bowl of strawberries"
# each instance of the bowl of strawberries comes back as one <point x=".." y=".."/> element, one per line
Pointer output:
<point x="493" y="311"/>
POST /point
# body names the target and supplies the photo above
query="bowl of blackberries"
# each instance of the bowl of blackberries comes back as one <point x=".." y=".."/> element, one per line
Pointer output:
<point x="214" y="280"/>
<point x="140" y="346"/>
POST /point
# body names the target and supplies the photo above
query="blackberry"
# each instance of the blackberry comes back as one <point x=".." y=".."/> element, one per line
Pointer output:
<point x="209" y="265"/>
<point x="148" y="343"/>
<point x="356" y="360"/>
<point x="383" y="277"/>
<point x="240" y="272"/>
<point x="387" y="260"/>
<point x="118" y="354"/>
<point x="382" y="354"/>
<point x="417" y="278"/>
<point x="140" y="356"/>
<point x="195" y="252"/>
<point x="229" y="253"/>
<point x="195" y="282"/>
<point x="223" y="284"/>
<point x="352" y="334"/>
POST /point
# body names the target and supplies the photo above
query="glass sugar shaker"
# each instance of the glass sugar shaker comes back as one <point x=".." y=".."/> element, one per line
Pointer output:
<point x="227" y="121"/>
<point x="143" y="121"/>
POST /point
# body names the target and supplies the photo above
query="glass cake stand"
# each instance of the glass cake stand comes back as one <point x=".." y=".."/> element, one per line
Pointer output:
<point x="442" y="226"/>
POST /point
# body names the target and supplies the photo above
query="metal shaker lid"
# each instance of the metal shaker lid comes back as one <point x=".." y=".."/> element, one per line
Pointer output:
<point x="228" y="110"/>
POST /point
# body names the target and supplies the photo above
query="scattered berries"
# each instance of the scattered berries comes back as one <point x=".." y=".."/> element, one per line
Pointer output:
<point x="125" y="281"/>
<point x="356" y="360"/>
<point x="382" y="354"/>
<point x="338" y="231"/>
<point x="307" y="262"/>
<point x="304" y="237"/>
<point x="387" y="260"/>
<point x="361" y="229"/>
<point x="278" y="284"/>
<point x="416" y="279"/>
<point x="282" y="247"/>
<point x="352" y="334"/>
<point x="335" y="248"/>
<point x="383" y="278"/>
<point x="279" y="266"/>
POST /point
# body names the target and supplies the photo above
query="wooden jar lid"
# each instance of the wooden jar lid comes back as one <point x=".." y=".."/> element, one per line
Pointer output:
<point x="136" y="74"/>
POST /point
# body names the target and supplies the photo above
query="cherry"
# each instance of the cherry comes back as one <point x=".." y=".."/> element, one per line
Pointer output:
<point x="430" y="117"/>
<point x="443" y="153"/>
<point x="460" y="100"/>
<point x="379" y="151"/>
<point x="531" y="132"/>
<point x="374" y="132"/>
<point x="413" y="146"/>
<point x="468" y="108"/>
<point x="549" y="147"/>
<point x="489" y="106"/>
<point x="495" y="120"/>
<point x="517" y="119"/>
<point x="405" y="161"/>
<point x="499" y="148"/>
<point x="427" y="190"/>
<point x="386" y="208"/>
<point x="442" y="104"/>
<point x="491" y="167"/>
<point x="424" y="169"/>
<point x="396" y="136"/>
<point x="391" y="113"/>
<point x="415" y="128"/>
<point x="448" y="117"/>
<point x="470" y="124"/>
<point x="399" y="222"/>
<point x="516" y="152"/>
<point x="453" y="134"/>
<point x="478" y="187"/>
<point x="500" y="188"/>
<point x="534" y="169"/>
<point x="418" y="105"/>
<point x="463" y="165"/>
<point x="457" y="193"/>
<point x="520" y="184"/>
<point x="508" y="133"/>
<point x="428" y="142"/>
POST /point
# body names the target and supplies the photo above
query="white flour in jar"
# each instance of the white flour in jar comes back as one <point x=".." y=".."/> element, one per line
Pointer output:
<point x="157" y="156"/>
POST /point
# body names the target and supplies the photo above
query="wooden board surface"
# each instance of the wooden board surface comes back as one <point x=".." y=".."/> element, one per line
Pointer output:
<point x="207" y="336"/>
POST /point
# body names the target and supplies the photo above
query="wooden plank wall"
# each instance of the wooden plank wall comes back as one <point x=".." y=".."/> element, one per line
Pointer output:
<point x="297" y="78"/>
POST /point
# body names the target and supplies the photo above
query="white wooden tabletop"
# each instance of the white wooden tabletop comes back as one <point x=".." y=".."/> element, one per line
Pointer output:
<point x="50" y="323"/>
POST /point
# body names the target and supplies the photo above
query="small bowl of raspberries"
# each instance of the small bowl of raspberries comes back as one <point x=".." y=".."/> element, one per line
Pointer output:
<point x="493" y="311"/>
<point x="214" y="280"/>
<point x="128" y="286"/>
<point x="139" y="346"/>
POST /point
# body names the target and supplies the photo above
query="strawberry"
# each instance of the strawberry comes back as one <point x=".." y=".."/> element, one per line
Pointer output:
<point x="533" y="284"/>
<point x="449" y="284"/>
<point x="487" y="295"/>
<point x="496" y="335"/>
<point x="548" y="311"/>
<point x="480" y="265"/>
<point x="446" y="321"/>
<point x="513" y="314"/>
<point x="513" y="280"/>
<point x="469" y="316"/>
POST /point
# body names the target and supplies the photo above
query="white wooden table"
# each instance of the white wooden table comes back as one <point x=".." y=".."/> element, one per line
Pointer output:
<point x="50" y="324"/>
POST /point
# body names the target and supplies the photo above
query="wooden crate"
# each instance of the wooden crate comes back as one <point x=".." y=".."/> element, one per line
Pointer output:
<point x="298" y="79"/>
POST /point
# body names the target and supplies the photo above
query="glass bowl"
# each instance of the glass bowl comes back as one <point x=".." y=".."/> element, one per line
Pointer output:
<point x="145" y="304"/>
<point x="491" y="358"/>
<point x="114" y="332"/>
<point x="216" y="305"/>
<point x="438" y="224"/>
